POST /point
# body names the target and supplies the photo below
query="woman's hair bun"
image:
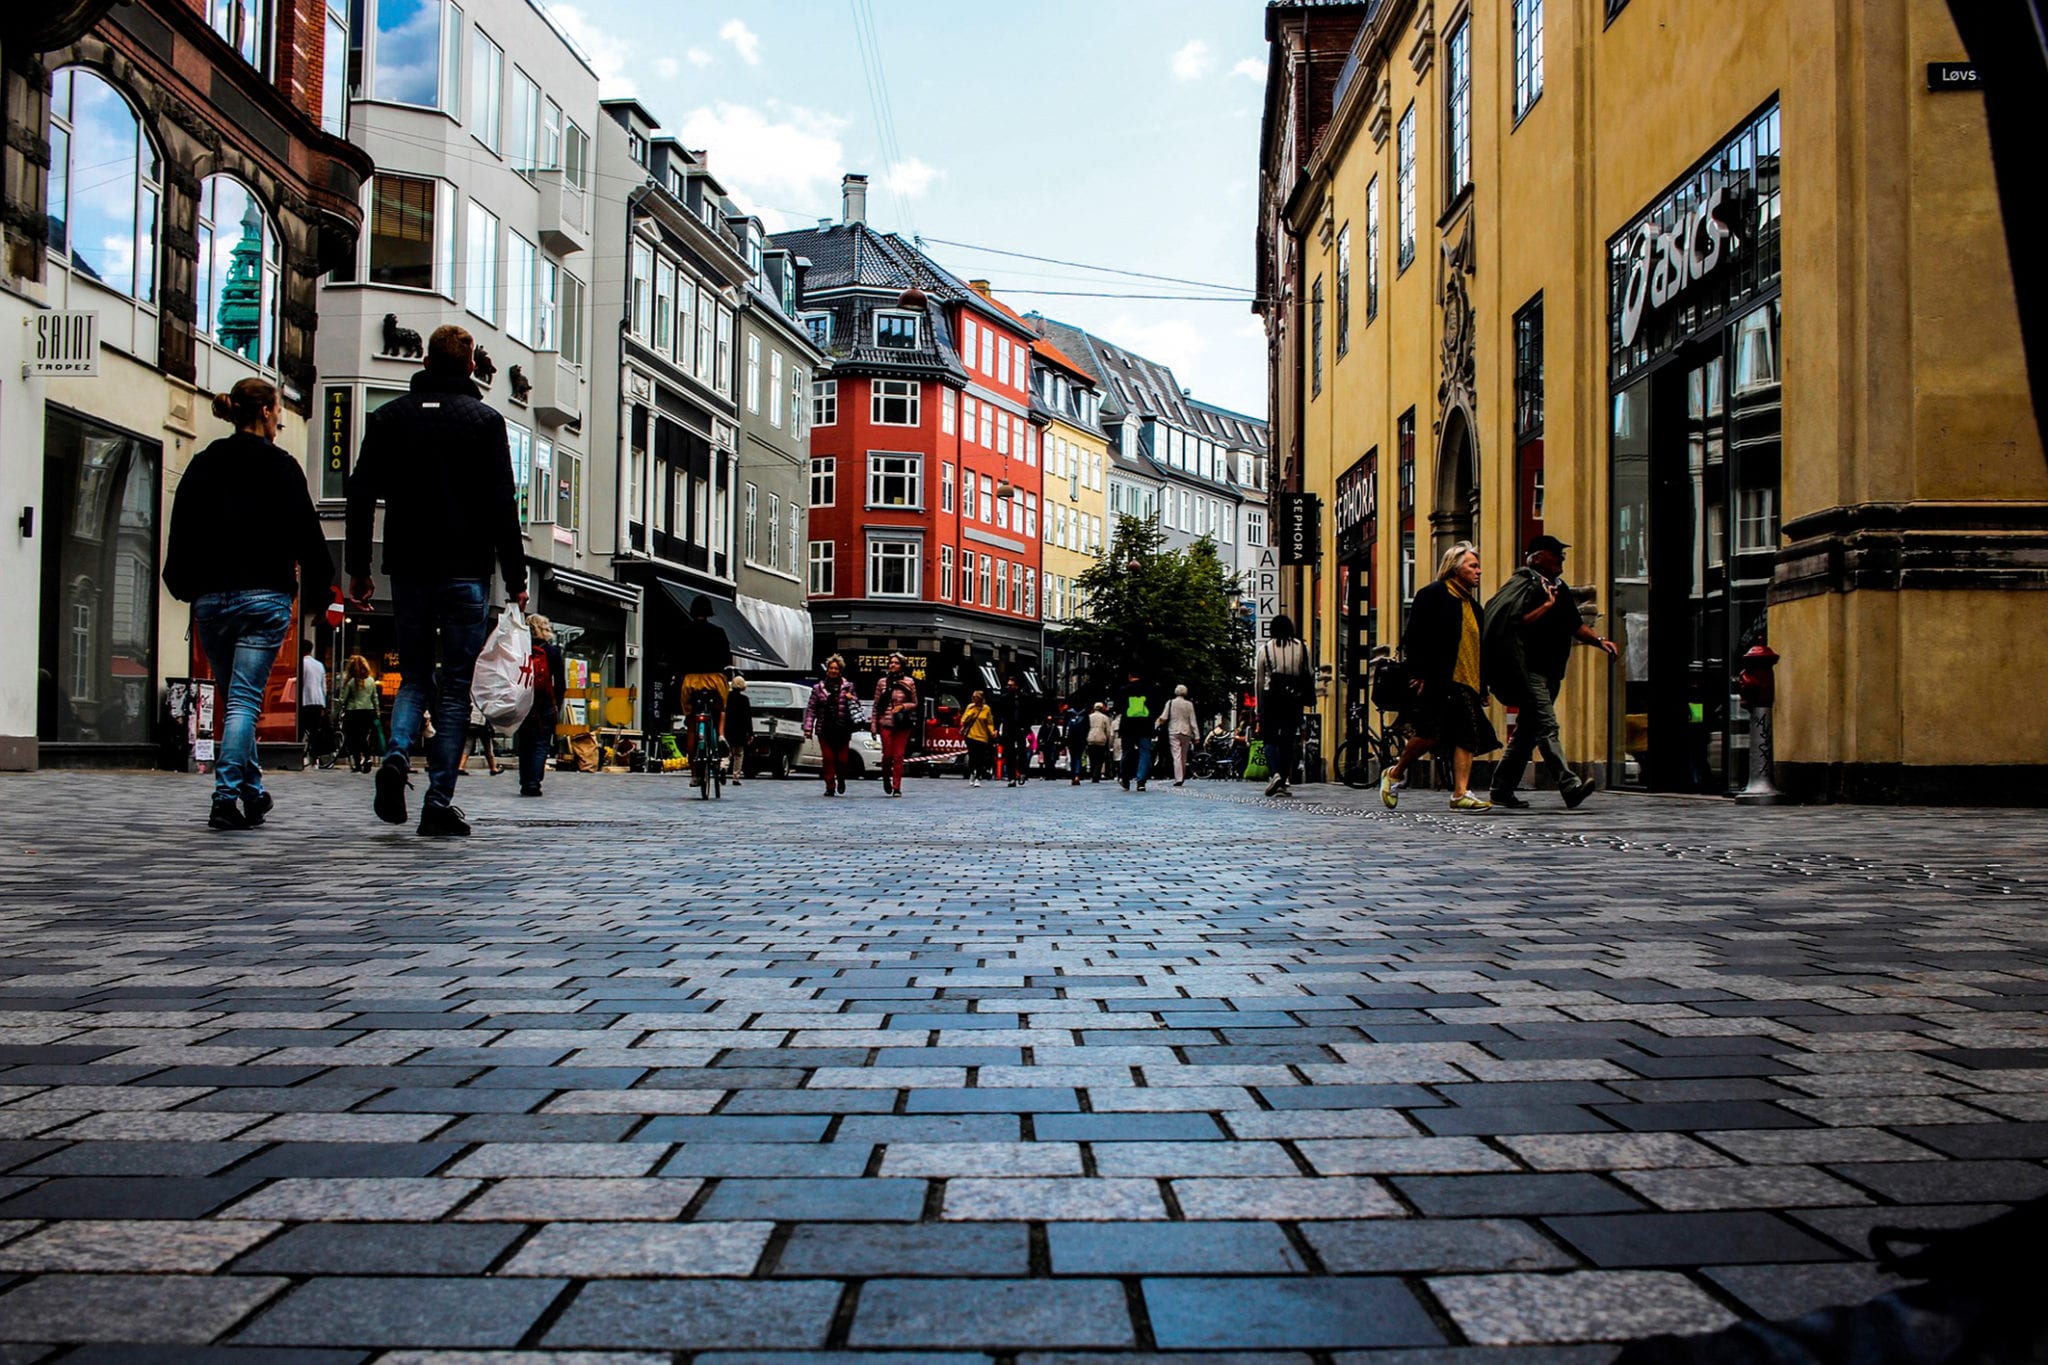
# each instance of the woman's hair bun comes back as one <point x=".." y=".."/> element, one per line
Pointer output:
<point x="223" y="407"/>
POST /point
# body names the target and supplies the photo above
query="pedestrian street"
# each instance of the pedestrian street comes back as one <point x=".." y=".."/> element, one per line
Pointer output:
<point x="1050" y="1074"/>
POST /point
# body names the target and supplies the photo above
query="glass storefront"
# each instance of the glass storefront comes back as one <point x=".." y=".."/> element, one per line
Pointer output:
<point x="98" y="665"/>
<point x="1695" y="444"/>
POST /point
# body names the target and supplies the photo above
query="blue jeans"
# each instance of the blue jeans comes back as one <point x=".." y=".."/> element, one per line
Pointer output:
<point x="241" y="632"/>
<point x="534" y="740"/>
<point x="1137" y="764"/>
<point x="453" y="613"/>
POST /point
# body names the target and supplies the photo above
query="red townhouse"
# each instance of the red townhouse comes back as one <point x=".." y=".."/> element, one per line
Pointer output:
<point x="924" y="479"/>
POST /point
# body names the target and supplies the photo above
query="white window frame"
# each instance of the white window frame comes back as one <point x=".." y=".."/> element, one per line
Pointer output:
<point x="753" y="374"/>
<point x="886" y="393"/>
<point x="522" y="270"/>
<point x="893" y="315"/>
<point x="824" y="556"/>
<point x="480" y="262"/>
<point x="825" y="403"/>
<point x="774" y="388"/>
<point x="908" y="550"/>
<point x="948" y="402"/>
<point x="887" y="466"/>
<point x="946" y="572"/>
<point x="946" y="486"/>
<point x="824" y="480"/>
<point x="486" y="89"/>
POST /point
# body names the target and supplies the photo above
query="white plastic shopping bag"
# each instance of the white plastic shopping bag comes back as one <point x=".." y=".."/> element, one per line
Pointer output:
<point x="503" y="685"/>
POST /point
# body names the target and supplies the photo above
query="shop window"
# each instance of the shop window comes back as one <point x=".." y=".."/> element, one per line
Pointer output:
<point x="821" y="566"/>
<point x="104" y="186"/>
<point x="98" y="650"/>
<point x="893" y="567"/>
<point x="237" y="271"/>
<point x="894" y="402"/>
<point x="1756" y="351"/>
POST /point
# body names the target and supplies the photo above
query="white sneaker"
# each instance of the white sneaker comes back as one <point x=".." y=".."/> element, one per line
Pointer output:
<point x="1273" y="787"/>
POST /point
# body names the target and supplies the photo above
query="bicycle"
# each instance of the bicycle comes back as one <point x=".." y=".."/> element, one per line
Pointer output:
<point x="1367" y="752"/>
<point x="706" y="772"/>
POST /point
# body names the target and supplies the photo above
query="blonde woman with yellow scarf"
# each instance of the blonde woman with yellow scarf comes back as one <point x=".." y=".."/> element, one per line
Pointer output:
<point x="1441" y="647"/>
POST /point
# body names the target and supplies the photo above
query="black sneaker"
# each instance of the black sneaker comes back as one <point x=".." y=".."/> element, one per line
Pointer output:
<point x="226" y="814"/>
<point x="254" y="810"/>
<point x="442" y="820"/>
<point x="391" y="785"/>
<point x="1507" y="801"/>
<point x="1575" y="796"/>
<point x="529" y="791"/>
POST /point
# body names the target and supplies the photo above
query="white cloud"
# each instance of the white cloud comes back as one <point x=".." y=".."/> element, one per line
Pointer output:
<point x="1193" y="60"/>
<point x="1176" y="342"/>
<point x="667" y="68"/>
<point x="743" y="39"/>
<point x="697" y="56"/>
<point x="775" y="153"/>
<point x="912" y="178"/>
<point x="1251" y="68"/>
<point x="607" y="54"/>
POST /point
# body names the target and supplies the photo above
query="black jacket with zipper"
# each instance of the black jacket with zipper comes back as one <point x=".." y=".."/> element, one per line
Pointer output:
<point x="243" y="518"/>
<point x="439" y="461"/>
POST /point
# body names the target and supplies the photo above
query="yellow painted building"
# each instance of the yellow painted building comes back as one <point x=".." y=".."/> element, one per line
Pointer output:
<point x="1717" y="294"/>
<point x="1075" y="500"/>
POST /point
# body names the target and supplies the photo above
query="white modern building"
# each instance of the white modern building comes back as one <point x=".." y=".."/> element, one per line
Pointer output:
<point x="481" y="120"/>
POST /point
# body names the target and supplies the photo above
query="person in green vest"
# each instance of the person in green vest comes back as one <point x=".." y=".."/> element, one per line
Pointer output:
<point x="1137" y="712"/>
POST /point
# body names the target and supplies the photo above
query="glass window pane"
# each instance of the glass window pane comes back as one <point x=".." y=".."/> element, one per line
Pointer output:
<point x="401" y="232"/>
<point x="408" y="52"/>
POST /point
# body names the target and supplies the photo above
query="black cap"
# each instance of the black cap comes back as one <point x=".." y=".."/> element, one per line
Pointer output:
<point x="1550" y="543"/>
<point x="701" y="608"/>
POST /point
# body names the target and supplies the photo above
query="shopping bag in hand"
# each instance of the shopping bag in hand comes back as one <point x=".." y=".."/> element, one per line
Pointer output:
<point x="502" y="687"/>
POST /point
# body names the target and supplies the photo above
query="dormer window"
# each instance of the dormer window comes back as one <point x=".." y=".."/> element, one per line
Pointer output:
<point x="636" y="147"/>
<point x="819" y="325"/>
<point x="896" y="331"/>
<point x="677" y="186"/>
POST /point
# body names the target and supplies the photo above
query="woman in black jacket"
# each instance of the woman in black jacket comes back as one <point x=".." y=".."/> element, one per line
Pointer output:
<point x="534" y="741"/>
<point x="241" y="523"/>
<point x="1441" y="646"/>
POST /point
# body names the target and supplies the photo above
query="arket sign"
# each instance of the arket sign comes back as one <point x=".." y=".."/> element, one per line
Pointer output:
<point x="1663" y="265"/>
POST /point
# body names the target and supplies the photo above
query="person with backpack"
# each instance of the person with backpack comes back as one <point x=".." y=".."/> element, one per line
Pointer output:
<point x="1526" y="639"/>
<point x="1051" y="737"/>
<point x="1078" y="718"/>
<point x="534" y="741"/>
<point x="1286" y="684"/>
<point x="1135" y="730"/>
<point x="830" y="715"/>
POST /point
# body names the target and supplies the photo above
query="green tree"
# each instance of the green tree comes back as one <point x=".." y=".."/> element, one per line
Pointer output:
<point x="1166" y="614"/>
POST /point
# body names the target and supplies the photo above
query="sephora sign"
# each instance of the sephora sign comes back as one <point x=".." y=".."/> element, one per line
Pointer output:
<point x="1665" y="264"/>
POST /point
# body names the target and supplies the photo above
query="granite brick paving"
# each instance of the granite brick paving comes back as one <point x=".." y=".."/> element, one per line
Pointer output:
<point x="1036" y="1076"/>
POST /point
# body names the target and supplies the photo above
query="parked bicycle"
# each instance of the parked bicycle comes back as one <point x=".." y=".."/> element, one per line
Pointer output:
<point x="1367" y="751"/>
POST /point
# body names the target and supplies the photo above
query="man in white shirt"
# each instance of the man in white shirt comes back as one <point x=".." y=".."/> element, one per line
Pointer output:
<point x="313" y="724"/>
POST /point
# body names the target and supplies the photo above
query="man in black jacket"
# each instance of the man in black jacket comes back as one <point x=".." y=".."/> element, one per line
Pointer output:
<point x="1530" y="627"/>
<point x="438" y="460"/>
<point x="1013" y="723"/>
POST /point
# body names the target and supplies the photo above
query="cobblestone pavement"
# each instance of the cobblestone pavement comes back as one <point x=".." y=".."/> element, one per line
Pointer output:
<point x="1038" y="1074"/>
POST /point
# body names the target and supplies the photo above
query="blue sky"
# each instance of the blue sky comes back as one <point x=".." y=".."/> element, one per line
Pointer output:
<point x="1118" y="132"/>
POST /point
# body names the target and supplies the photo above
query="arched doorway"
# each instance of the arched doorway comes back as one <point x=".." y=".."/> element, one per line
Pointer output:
<point x="1454" y="515"/>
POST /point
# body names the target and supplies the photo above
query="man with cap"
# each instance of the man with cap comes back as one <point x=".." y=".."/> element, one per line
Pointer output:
<point x="1526" y="639"/>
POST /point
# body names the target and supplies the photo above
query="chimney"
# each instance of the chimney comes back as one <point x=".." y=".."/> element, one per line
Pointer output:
<point x="981" y="287"/>
<point x="853" y="197"/>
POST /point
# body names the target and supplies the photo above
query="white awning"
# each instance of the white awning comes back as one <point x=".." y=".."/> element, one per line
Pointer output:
<point x="786" y="629"/>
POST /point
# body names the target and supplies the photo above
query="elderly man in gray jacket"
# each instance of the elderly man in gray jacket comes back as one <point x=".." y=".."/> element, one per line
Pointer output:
<point x="1526" y="639"/>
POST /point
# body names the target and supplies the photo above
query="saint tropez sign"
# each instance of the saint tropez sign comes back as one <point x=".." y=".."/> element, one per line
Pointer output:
<point x="63" y="344"/>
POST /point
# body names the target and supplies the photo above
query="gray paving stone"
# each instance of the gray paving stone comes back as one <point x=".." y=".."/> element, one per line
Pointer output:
<point x="382" y="1249"/>
<point x="1586" y="1305"/>
<point x="131" y="1308"/>
<point x="819" y="1200"/>
<point x="992" y="1313"/>
<point x="1677" y="1239"/>
<point x="860" y="1249"/>
<point x="1305" y="1313"/>
<point x="1412" y="1245"/>
<point x="698" y="1315"/>
<point x="350" y="1311"/>
<point x="603" y="1251"/>
<point x="1171" y="1249"/>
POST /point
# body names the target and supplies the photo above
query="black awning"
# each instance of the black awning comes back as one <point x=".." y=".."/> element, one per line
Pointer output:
<point x="739" y="631"/>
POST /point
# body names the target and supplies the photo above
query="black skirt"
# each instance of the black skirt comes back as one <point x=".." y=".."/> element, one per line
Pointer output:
<point x="1455" y="717"/>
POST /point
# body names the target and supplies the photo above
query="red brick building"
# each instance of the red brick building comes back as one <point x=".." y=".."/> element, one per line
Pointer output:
<point x="925" y="473"/>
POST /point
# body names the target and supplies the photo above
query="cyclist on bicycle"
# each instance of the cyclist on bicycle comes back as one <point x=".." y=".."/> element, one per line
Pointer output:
<point x="703" y="655"/>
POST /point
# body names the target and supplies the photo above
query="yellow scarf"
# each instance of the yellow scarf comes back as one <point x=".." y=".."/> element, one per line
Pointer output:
<point x="1467" y="670"/>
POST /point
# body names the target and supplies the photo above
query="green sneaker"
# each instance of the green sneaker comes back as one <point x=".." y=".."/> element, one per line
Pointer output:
<point x="1470" y="802"/>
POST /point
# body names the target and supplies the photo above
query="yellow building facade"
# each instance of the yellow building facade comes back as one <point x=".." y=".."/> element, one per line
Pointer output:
<point x="1716" y="294"/>
<point x="1075" y="501"/>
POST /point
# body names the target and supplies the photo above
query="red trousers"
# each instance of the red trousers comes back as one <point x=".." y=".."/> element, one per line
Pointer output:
<point x="895" y="743"/>
<point x="837" y="760"/>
